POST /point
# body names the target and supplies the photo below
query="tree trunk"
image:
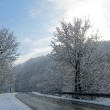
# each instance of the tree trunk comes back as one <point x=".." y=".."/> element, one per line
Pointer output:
<point x="77" y="77"/>
<point x="1" y="88"/>
<point x="75" y="82"/>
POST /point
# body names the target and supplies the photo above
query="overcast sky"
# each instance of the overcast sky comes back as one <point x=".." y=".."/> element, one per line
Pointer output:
<point x="33" y="21"/>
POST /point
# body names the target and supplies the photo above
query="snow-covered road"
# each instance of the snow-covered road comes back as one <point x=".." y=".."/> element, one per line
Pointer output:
<point x="8" y="101"/>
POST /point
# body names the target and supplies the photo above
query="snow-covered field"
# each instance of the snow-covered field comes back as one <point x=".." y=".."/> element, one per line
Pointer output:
<point x="8" y="101"/>
<point x="99" y="101"/>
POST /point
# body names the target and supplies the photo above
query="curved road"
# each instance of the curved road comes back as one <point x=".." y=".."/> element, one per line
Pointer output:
<point x="45" y="103"/>
<point x="8" y="101"/>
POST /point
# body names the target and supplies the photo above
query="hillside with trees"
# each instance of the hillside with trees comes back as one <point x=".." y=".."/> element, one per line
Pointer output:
<point x="38" y="74"/>
<point x="79" y="62"/>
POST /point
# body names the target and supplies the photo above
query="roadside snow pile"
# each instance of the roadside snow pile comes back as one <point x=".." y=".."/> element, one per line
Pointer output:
<point x="103" y="101"/>
<point x="54" y="96"/>
<point x="98" y="101"/>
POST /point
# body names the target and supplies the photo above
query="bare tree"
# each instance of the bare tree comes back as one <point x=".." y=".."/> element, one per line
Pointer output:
<point x="72" y="46"/>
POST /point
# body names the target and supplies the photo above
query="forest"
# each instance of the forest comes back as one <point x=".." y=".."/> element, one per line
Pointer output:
<point x="79" y="62"/>
<point x="45" y="75"/>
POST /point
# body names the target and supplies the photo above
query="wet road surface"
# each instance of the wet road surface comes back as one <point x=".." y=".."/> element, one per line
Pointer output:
<point x="44" y="103"/>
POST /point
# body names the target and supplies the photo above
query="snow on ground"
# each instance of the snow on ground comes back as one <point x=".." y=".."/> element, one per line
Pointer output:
<point x="99" y="101"/>
<point x="8" y="101"/>
<point x="53" y="96"/>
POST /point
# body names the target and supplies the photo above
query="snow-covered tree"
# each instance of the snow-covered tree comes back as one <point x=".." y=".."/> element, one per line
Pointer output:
<point x="8" y="54"/>
<point x="75" y="46"/>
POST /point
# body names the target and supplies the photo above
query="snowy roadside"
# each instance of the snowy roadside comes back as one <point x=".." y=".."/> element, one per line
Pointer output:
<point x="8" y="101"/>
<point x="97" y="101"/>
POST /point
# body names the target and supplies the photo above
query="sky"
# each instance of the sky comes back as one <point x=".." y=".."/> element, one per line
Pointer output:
<point x="33" y="21"/>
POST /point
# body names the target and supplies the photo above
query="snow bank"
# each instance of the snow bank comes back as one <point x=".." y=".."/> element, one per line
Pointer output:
<point x="53" y="96"/>
<point x="98" y="101"/>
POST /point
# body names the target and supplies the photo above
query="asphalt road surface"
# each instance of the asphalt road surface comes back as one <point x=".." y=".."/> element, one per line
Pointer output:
<point x="44" y="103"/>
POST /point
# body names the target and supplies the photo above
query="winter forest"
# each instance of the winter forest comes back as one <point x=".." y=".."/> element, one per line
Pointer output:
<point x="79" y="62"/>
